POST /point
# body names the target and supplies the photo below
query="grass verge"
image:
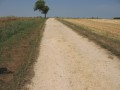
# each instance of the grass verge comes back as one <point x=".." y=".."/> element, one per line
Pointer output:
<point x="19" y="41"/>
<point x="110" y="44"/>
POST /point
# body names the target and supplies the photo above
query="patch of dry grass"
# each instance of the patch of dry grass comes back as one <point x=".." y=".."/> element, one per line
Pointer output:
<point x="105" y="27"/>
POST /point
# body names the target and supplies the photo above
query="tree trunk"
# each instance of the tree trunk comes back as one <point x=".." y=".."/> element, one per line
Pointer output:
<point x="45" y="15"/>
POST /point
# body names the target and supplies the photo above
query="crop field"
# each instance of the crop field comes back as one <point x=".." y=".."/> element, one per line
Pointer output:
<point x="19" y="41"/>
<point x="111" y="28"/>
<point x="105" y="32"/>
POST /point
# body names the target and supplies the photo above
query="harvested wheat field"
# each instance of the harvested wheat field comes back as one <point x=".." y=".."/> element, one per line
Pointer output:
<point x="105" y="32"/>
<point x="108" y="27"/>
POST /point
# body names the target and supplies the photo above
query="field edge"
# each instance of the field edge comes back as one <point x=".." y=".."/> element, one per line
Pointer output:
<point x="98" y="39"/>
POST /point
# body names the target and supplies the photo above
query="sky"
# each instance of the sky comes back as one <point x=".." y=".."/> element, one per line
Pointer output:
<point x="63" y="8"/>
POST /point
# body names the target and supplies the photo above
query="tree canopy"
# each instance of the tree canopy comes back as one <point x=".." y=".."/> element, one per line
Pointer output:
<point x="41" y="6"/>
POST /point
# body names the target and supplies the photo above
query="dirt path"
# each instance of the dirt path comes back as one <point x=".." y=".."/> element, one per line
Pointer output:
<point x="68" y="61"/>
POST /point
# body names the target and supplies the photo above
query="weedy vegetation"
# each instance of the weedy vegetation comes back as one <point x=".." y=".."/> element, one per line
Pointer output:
<point x="104" y="32"/>
<point x="19" y="41"/>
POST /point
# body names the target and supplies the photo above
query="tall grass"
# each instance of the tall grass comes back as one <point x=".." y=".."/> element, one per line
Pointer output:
<point x="19" y="40"/>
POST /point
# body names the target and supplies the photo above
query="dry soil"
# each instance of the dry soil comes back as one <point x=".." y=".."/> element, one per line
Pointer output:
<point x="68" y="61"/>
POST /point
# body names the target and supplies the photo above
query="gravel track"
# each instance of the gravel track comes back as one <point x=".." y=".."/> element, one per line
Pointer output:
<point x="68" y="61"/>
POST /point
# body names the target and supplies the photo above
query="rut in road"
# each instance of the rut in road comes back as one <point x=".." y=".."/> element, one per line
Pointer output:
<point x="68" y="61"/>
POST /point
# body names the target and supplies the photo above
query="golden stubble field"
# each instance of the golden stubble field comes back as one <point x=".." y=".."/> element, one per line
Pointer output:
<point x="105" y="32"/>
<point x="105" y="27"/>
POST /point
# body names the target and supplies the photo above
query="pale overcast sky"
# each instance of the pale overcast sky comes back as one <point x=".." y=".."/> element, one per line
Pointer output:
<point x="63" y="8"/>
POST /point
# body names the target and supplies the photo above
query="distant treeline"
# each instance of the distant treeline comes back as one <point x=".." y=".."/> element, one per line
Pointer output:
<point x="116" y="18"/>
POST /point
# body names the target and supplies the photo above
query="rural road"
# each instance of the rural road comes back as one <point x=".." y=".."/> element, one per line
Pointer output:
<point x="68" y="61"/>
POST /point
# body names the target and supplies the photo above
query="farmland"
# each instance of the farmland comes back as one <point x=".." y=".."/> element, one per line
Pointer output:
<point x="105" y="32"/>
<point x="19" y="41"/>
